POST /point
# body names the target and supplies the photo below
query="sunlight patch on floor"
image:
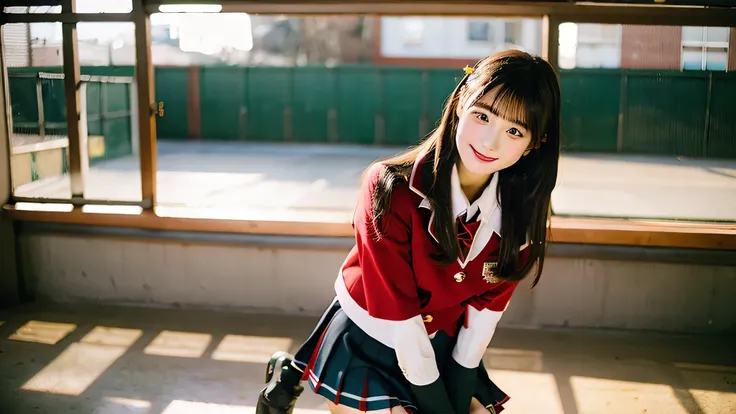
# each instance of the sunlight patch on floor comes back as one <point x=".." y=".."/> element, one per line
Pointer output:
<point x="118" y="405"/>
<point x="714" y="402"/>
<point x="713" y="387"/>
<point x="594" y="395"/>
<point x="257" y="349"/>
<point x="179" y="344"/>
<point x="41" y="332"/>
<point x="519" y="385"/>
<point x="79" y="365"/>
<point x="103" y="335"/>
<point x="191" y="407"/>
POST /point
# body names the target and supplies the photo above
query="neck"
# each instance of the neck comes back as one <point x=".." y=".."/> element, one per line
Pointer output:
<point x="472" y="184"/>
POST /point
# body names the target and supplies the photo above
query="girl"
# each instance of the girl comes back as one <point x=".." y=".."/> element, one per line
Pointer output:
<point x="444" y="233"/>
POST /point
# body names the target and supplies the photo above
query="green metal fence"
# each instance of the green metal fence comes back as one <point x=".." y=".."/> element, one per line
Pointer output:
<point x="590" y="106"/>
<point x="108" y="101"/>
<point x="362" y="105"/>
<point x="649" y="112"/>
<point x="609" y="111"/>
<point x="172" y="88"/>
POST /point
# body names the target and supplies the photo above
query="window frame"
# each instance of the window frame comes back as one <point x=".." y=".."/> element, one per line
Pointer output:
<point x="564" y="229"/>
<point x="704" y="45"/>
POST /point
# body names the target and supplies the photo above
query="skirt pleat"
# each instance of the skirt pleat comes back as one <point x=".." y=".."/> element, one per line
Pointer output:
<point x="346" y="366"/>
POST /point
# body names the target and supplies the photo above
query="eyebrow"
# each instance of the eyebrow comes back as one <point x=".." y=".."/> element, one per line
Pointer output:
<point x="494" y="112"/>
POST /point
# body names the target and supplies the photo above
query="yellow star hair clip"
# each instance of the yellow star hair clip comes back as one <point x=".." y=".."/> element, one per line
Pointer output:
<point x="468" y="70"/>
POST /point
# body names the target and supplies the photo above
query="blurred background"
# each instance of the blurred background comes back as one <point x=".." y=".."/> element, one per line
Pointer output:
<point x="646" y="116"/>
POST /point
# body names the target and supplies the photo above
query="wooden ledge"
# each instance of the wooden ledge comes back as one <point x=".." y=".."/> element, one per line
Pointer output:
<point x="331" y="224"/>
<point x="187" y="219"/>
<point x="643" y="233"/>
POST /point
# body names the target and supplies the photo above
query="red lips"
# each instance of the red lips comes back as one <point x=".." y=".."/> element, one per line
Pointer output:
<point x="482" y="157"/>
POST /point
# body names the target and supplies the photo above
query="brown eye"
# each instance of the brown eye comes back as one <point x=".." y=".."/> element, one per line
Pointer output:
<point x="483" y="117"/>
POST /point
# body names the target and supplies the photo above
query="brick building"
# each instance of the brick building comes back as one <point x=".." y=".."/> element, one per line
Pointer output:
<point x="456" y="41"/>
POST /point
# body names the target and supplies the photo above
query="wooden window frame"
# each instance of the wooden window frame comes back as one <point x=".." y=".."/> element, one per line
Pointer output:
<point x="608" y="231"/>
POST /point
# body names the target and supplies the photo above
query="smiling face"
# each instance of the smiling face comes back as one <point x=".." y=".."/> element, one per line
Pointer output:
<point x="491" y="134"/>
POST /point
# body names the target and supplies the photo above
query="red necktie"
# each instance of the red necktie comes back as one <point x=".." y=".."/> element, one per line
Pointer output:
<point x="466" y="230"/>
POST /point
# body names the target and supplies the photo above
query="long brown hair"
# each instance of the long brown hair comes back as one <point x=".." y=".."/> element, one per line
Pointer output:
<point x="528" y="90"/>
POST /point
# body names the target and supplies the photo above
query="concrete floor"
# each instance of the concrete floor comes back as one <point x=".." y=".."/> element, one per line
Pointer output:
<point x="61" y="359"/>
<point x="323" y="178"/>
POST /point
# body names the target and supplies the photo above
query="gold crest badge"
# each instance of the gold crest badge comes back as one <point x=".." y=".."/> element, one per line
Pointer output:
<point x="489" y="272"/>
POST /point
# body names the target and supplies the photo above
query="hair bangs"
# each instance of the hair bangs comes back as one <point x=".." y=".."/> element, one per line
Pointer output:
<point x="519" y="105"/>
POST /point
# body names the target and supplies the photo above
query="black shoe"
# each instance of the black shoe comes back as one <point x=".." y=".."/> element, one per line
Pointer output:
<point x="277" y="398"/>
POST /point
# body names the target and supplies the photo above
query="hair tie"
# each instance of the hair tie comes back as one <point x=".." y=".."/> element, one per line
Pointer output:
<point x="468" y="70"/>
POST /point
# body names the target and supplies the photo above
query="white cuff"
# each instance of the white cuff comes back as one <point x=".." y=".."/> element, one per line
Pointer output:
<point x="414" y="351"/>
<point x="473" y="341"/>
<point x="408" y="338"/>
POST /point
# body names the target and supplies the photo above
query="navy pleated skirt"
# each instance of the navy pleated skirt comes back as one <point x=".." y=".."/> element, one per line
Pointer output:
<point x="346" y="366"/>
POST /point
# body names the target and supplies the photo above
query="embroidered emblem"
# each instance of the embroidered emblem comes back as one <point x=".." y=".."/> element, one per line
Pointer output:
<point x="489" y="272"/>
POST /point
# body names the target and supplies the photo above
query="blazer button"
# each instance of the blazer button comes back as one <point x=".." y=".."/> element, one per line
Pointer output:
<point x="459" y="276"/>
<point x="428" y="319"/>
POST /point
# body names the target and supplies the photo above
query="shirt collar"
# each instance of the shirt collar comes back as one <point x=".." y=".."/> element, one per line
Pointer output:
<point x="486" y="203"/>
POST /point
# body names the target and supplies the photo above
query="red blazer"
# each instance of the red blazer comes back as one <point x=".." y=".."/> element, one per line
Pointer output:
<point x="390" y="284"/>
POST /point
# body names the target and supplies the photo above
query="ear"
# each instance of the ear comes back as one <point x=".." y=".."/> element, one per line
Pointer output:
<point x="534" y="146"/>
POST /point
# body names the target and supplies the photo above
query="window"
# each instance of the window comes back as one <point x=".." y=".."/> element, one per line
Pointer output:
<point x="599" y="33"/>
<point x="649" y="135"/>
<point x="599" y="46"/>
<point x="83" y="6"/>
<point x="479" y="31"/>
<point x="413" y="32"/>
<point x="705" y="48"/>
<point x="590" y="45"/>
<point x="512" y="32"/>
<point x="379" y="82"/>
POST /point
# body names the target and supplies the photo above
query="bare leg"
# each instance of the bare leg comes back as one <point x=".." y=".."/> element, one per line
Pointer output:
<point x="341" y="409"/>
<point x="477" y="408"/>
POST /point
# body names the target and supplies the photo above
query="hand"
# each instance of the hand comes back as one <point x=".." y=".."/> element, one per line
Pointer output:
<point x="432" y="398"/>
<point x="460" y="385"/>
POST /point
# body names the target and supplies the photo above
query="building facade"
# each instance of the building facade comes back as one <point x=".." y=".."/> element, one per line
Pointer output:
<point x="456" y="41"/>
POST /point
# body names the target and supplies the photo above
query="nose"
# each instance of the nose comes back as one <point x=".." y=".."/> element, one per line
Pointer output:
<point x="491" y="139"/>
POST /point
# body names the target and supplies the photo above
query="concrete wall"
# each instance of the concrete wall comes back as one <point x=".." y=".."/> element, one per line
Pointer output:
<point x="639" y="292"/>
